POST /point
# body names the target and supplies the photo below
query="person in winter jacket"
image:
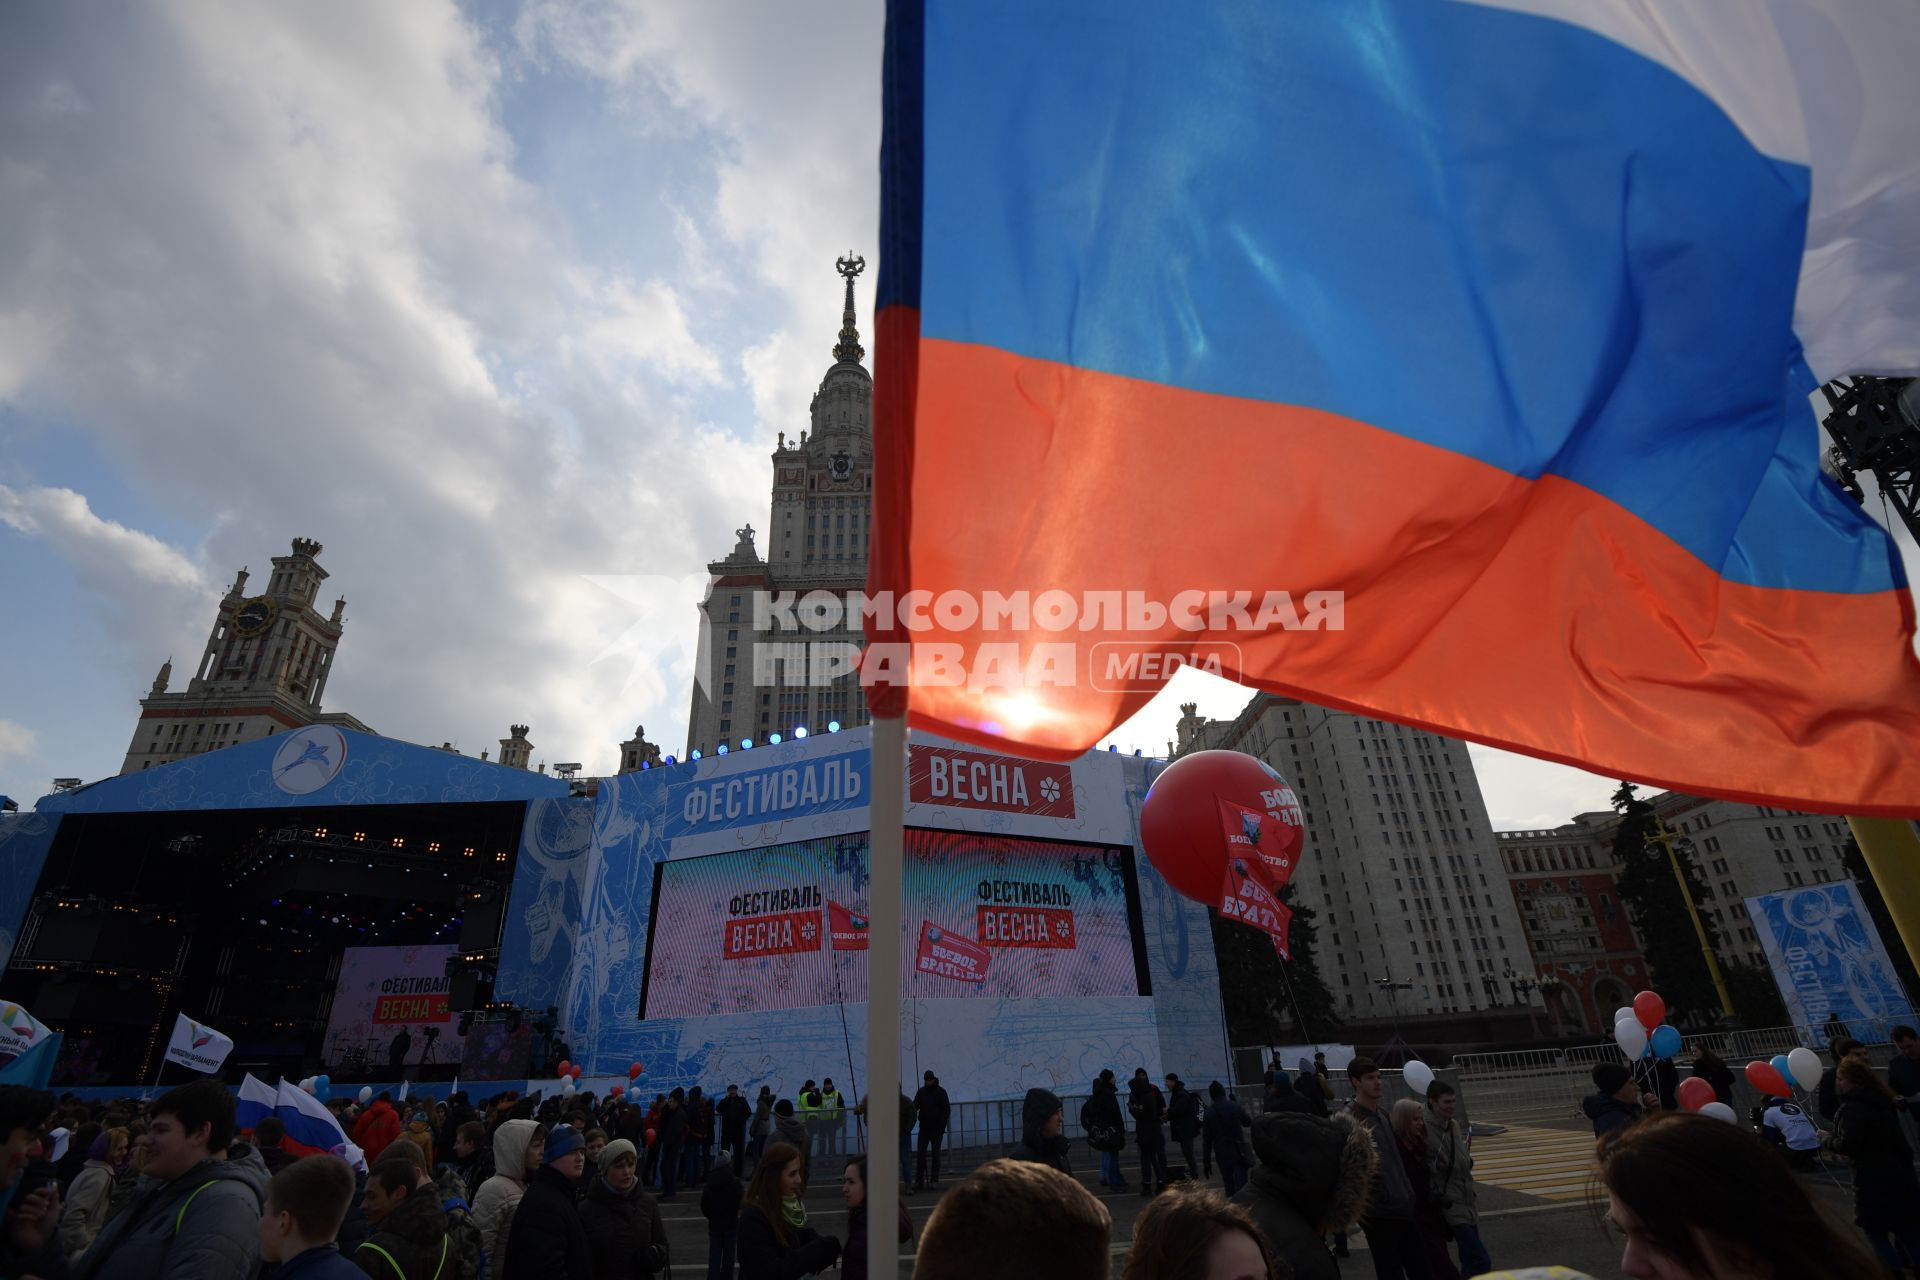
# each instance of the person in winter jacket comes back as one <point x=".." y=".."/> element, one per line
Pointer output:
<point x="306" y="1202"/>
<point x="853" y="1251"/>
<point x="519" y="1147"/>
<point x="732" y="1112"/>
<point x="546" y="1240"/>
<point x="1886" y="1194"/>
<point x="1450" y="1166"/>
<point x="199" y="1214"/>
<point x="419" y="1131"/>
<point x="1220" y="1137"/>
<point x="1106" y="1129"/>
<point x="458" y="1112"/>
<point x="1389" y="1221"/>
<point x="775" y="1241"/>
<point x="409" y="1238"/>
<point x="30" y="1238"/>
<point x="267" y="1137"/>
<point x="1410" y="1133"/>
<point x="674" y="1126"/>
<point x="761" y="1127"/>
<point x="789" y="1129"/>
<point x="92" y="1192"/>
<point x="472" y="1152"/>
<point x="463" y="1258"/>
<point x="933" y="1108"/>
<point x="626" y="1237"/>
<point x="720" y="1206"/>
<point x="1312" y="1179"/>
<point x="1183" y="1121"/>
<point x="377" y="1126"/>
<point x="1615" y="1102"/>
<point x="1844" y="1047"/>
<point x="1148" y="1109"/>
<point x="1041" y="1139"/>
<point x="1302" y="1095"/>
<point x="1708" y="1066"/>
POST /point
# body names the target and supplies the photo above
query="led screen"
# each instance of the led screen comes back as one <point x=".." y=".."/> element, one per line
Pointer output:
<point x="785" y="926"/>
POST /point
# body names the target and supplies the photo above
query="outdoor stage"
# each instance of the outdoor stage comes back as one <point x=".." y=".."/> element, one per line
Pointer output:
<point x="705" y="919"/>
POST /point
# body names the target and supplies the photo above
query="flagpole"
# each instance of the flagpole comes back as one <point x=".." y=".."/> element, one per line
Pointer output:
<point x="885" y="889"/>
<point x="1892" y="850"/>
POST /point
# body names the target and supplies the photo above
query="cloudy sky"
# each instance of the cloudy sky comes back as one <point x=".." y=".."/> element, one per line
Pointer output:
<point x="502" y="303"/>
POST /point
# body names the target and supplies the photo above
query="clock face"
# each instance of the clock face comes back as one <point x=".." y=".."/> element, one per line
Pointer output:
<point x="841" y="465"/>
<point x="254" y="616"/>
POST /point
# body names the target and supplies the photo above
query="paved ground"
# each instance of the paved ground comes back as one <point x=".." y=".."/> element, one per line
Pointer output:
<point x="1533" y="1206"/>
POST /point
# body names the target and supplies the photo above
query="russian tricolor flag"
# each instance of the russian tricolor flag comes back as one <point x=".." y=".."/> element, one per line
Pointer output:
<point x="1498" y="319"/>
<point x="311" y="1128"/>
<point x="257" y="1101"/>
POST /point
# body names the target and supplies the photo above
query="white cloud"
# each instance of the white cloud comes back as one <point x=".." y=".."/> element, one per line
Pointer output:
<point x="16" y="740"/>
<point x="278" y="266"/>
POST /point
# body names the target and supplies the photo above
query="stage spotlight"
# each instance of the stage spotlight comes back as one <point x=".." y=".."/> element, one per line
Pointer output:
<point x="746" y="744"/>
<point x="694" y="754"/>
<point x="800" y="731"/>
<point x="773" y="739"/>
<point x="723" y="748"/>
<point x="833" y="726"/>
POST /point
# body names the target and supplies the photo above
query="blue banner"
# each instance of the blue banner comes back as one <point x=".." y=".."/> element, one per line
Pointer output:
<point x="1828" y="959"/>
<point x="785" y="789"/>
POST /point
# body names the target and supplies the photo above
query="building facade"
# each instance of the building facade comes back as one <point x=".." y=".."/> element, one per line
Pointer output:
<point x="1585" y="953"/>
<point x="1400" y="863"/>
<point x="264" y="669"/>
<point x="750" y="684"/>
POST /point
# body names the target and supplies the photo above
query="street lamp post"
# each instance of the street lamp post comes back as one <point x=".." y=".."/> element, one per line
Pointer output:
<point x="1523" y="986"/>
<point x="1671" y="842"/>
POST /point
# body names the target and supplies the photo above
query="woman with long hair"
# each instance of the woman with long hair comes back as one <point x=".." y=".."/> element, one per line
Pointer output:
<point x="775" y="1241"/>
<point x="853" y="1253"/>
<point x="1886" y="1195"/>
<point x="1191" y="1232"/>
<point x="1700" y="1199"/>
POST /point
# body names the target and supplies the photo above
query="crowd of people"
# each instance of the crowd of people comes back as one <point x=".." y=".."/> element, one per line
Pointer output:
<point x="571" y="1186"/>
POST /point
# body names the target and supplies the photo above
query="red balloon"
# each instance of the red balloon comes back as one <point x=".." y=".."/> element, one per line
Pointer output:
<point x="617" y="1090"/>
<point x="1763" y="1077"/>
<point x="633" y="1072"/>
<point x="566" y="1068"/>
<point x="1650" y="1009"/>
<point x="1184" y="830"/>
<point x="653" y="1136"/>
<point x="575" y="1073"/>
<point x="1694" y="1093"/>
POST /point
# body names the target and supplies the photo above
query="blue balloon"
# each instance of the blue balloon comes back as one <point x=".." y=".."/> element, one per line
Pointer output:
<point x="1665" y="1041"/>
<point x="1780" y="1064"/>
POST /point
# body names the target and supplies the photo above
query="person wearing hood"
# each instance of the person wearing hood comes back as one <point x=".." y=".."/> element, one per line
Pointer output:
<point x="419" y="1131"/>
<point x="518" y="1149"/>
<point x="1106" y="1129"/>
<point x="1615" y="1102"/>
<point x="199" y="1214"/>
<point x="626" y="1236"/>
<point x="720" y="1206"/>
<point x="546" y="1240"/>
<point x="409" y="1238"/>
<point x="790" y="1129"/>
<point x="1041" y="1139"/>
<point x="1149" y="1110"/>
<point x="1450" y="1162"/>
<point x="1220" y="1137"/>
<point x="377" y="1126"/>
<point x="1312" y="1179"/>
<point x="92" y="1192"/>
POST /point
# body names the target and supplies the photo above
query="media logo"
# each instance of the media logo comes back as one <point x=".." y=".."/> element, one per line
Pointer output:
<point x="308" y="759"/>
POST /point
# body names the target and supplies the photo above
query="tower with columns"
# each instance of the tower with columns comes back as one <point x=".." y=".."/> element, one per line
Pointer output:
<point x="264" y="668"/>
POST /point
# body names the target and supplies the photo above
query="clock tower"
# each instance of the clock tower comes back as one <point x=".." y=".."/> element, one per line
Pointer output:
<point x="265" y="666"/>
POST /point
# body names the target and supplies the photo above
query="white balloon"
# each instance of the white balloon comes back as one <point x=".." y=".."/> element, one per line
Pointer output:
<point x="366" y="1093"/>
<point x="568" y="1089"/>
<point x="1719" y="1111"/>
<point x="1624" y="1011"/>
<point x="1804" y="1066"/>
<point x="1418" y="1076"/>
<point x="1631" y="1037"/>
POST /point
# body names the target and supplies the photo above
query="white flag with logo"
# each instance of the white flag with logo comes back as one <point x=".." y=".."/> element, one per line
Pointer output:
<point x="196" y="1045"/>
<point x="19" y="1030"/>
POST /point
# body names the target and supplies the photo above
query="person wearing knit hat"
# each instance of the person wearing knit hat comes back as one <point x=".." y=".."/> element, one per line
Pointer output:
<point x="1615" y="1102"/>
<point x="621" y="1218"/>
<point x="547" y="1237"/>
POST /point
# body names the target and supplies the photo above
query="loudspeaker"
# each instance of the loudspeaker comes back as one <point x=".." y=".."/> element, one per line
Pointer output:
<point x="469" y="990"/>
<point x="480" y="926"/>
